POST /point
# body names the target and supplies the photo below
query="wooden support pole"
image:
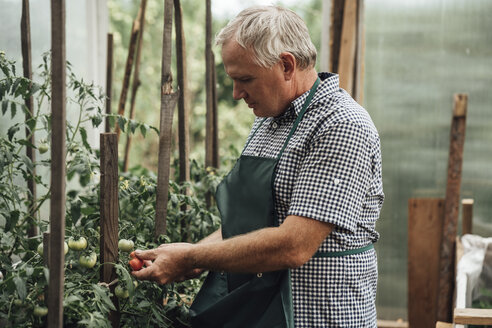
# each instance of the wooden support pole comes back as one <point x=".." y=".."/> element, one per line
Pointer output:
<point x="425" y="223"/>
<point x="346" y="59"/>
<point x="183" y="110"/>
<point x="215" y="138"/>
<point x="447" y="257"/>
<point x="136" y="80"/>
<point x="358" y="85"/>
<point x="128" y="70"/>
<point x="109" y="215"/>
<point x="109" y="80"/>
<point x="467" y="216"/>
<point x="168" y="102"/>
<point x="58" y="151"/>
<point x="32" y="229"/>
<point x="46" y="249"/>
<point x="337" y="8"/>
<point x="209" y="80"/>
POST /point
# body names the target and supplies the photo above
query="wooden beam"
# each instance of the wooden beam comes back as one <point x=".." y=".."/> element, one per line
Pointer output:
<point x="57" y="200"/>
<point x="470" y="316"/>
<point x="392" y="324"/>
<point x="446" y="264"/>
<point x="108" y="228"/>
<point x="168" y="102"/>
<point x="425" y="224"/>
<point x="346" y="59"/>
<point x="441" y="324"/>
<point x="32" y="229"/>
<point x="109" y="80"/>
<point x="466" y="216"/>
<point x="136" y="80"/>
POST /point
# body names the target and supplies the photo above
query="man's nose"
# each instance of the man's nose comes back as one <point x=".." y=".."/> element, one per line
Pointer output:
<point x="238" y="93"/>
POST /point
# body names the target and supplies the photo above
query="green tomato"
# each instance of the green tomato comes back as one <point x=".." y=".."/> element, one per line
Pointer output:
<point x="121" y="292"/>
<point x="40" y="249"/>
<point x="88" y="261"/>
<point x="65" y="248"/>
<point x="40" y="311"/>
<point x="43" y="148"/>
<point x="77" y="245"/>
<point x="125" y="245"/>
<point x="18" y="302"/>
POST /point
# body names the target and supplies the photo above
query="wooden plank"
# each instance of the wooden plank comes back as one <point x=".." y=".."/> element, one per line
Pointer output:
<point x="168" y="102"/>
<point x="109" y="80"/>
<point x="392" y="324"/>
<point x="32" y="229"/>
<point x="470" y="316"/>
<point x="136" y="80"/>
<point x="466" y="216"/>
<point x="336" y="22"/>
<point x="425" y="219"/>
<point x="108" y="202"/>
<point x="441" y="324"/>
<point x="58" y="151"/>
<point x="446" y="264"/>
<point x="346" y="59"/>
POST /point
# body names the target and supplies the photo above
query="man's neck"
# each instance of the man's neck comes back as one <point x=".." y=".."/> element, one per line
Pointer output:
<point x="305" y="81"/>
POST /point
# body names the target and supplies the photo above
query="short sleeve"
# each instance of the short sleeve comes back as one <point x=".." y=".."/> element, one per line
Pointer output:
<point x="334" y="176"/>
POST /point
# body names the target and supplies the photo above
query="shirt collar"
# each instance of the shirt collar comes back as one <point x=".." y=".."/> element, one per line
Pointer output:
<point x="329" y="84"/>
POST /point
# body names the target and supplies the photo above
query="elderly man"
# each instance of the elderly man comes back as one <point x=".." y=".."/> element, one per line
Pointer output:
<point x="299" y="208"/>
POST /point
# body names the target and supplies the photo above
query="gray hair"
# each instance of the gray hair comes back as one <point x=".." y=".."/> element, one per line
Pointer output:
<point x="269" y="31"/>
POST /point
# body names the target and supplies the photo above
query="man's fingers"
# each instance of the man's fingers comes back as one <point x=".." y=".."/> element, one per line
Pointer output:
<point x="146" y="255"/>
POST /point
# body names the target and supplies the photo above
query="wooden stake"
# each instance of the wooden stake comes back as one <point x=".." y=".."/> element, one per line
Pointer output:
<point x="57" y="201"/>
<point x="347" y="47"/>
<point x="109" y="80"/>
<point x="136" y="80"/>
<point x="183" y="110"/>
<point x="109" y="215"/>
<point x="467" y="216"/>
<point x="128" y="70"/>
<point x="335" y="33"/>
<point x="32" y="230"/>
<point x="209" y="132"/>
<point x="446" y="267"/>
<point x="168" y="102"/>
<point x="358" y="84"/>
<point x="425" y="219"/>
<point x="215" y="138"/>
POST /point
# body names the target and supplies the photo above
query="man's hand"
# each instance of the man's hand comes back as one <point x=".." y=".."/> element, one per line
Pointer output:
<point x="167" y="263"/>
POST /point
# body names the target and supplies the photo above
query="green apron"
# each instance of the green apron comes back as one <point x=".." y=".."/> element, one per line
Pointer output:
<point x="245" y="199"/>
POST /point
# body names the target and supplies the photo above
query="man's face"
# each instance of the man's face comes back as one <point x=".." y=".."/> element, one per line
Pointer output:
<point x="265" y="90"/>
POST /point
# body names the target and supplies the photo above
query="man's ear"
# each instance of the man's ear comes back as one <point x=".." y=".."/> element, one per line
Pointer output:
<point x="289" y="65"/>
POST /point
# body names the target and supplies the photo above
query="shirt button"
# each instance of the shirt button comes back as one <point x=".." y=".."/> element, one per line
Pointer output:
<point x="274" y="125"/>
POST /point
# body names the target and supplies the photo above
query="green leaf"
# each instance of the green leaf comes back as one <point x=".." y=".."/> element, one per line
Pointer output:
<point x="96" y="120"/>
<point x="24" y="142"/>
<point x="5" y="106"/>
<point x="12" y="220"/>
<point x="20" y="285"/>
<point x="12" y="130"/>
<point x="121" y="123"/>
<point x="83" y="134"/>
<point x="143" y="129"/>
<point x="103" y="296"/>
<point x="133" y="126"/>
<point x="13" y="109"/>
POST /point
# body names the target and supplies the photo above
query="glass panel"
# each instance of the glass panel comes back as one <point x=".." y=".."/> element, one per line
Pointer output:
<point x="418" y="54"/>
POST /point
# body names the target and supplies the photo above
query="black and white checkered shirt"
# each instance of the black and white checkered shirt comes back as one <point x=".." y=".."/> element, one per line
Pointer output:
<point x="331" y="172"/>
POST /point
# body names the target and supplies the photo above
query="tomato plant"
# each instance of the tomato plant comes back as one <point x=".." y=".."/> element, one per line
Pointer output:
<point x="86" y="301"/>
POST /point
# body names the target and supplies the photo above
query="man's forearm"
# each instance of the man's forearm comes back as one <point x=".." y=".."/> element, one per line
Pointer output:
<point x="288" y="246"/>
<point x="213" y="237"/>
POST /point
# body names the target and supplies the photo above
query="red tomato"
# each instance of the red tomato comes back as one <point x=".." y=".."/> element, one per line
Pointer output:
<point x="136" y="264"/>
